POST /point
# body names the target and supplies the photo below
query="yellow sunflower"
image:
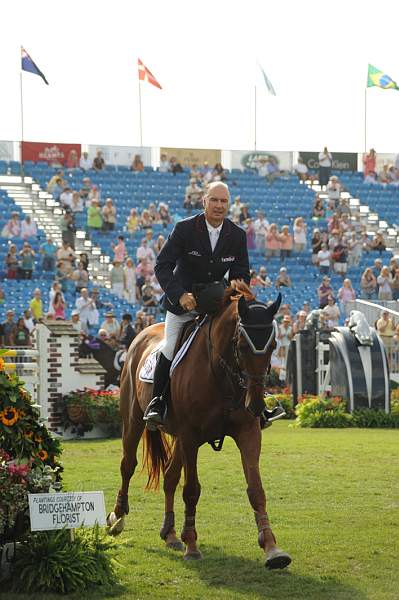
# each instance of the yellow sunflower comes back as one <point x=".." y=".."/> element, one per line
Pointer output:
<point x="9" y="416"/>
<point x="42" y="454"/>
<point x="28" y="434"/>
<point x="1" y="364"/>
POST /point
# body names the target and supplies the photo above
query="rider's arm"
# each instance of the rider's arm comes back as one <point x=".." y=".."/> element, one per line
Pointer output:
<point x="172" y="250"/>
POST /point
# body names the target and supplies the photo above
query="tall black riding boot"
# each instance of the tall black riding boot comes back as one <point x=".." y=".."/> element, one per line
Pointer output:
<point x="155" y="413"/>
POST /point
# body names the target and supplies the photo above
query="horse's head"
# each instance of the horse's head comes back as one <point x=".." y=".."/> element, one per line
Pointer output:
<point x="255" y="340"/>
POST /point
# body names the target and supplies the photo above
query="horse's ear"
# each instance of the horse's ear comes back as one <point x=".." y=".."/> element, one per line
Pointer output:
<point x="273" y="308"/>
<point x="243" y="309"/>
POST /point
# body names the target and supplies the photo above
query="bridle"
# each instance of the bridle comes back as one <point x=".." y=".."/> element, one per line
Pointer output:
<point x="236" y="375"/>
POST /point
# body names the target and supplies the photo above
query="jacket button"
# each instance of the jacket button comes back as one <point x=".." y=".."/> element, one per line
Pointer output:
<point x="209" y="273"/>
<point x="211" y="261"/>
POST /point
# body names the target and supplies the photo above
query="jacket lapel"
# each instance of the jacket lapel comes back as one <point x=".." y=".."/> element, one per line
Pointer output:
<point x="224" y="238"/>
<point x="203" y="235"/>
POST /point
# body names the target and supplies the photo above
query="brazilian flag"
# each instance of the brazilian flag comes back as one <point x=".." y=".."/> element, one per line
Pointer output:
<point x="380" y="79"/>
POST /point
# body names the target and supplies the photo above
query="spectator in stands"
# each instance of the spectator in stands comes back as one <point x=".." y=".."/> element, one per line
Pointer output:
<point x="94" y="194"/>
<point x="137" y="164"/>
<point x="154" y="214"/>
<point x="301" y="170"/>
<point x="218" y="173"/>
<point x="85" y="190"/>
<point x="285" y="335"/>
<point x="94" y="218"/>
<point x="164" y="166"/>
<point x="66" y="253"/>
<point x="85" y="163"/>
<point x="109" y="215"/>
<point x="324" y="291"/>
<point x="378" y="242"/>
<point x="340" y="257"/>
<point x="318" y="208"/>
<point x="145" y="219"/>
<point x="11" y="262"/>
<point x="130" y="281"/>
<point x="12" y="228"/>
<point x="20" y="335"/>
<point x="84" y="259"/>
<point x="117" y="279"/>
<point x="28" y="228"/>
<point x="272" y="241"/>
<point x="2" y="297"/>
<point x="334" y="189"/>
<point x="300" y="322"/>
<point x="58" y="177"/>
<point x="26" y="261"/>
<point x="317" y="242"/>
<point x="261" y="166"/>
<point x="133" y="221"/>
<point x="144" y="251"/>
<point x="334" y="224"/>
<point x="331" y="313"/>
<point x="384" y="281"/>
<point x="325" y="164"/>
<point x="87" y="310"/>
<point x="244" y="214"/>
<point x="57" y="309"/>
<point x="324" y="259"/>
<point x="235" y="209"/>
<point x="164" y="215"/>
<point x="76" y="203"/>
<point x="386" y="329"/>
<point x="98" y="302"/>
<point x="346" y="295"/>
<point x="111" y="325"/>
<point x="250" y="233"/>
<point x="119" y="249"/>
<point x="7" y="328"/>
<point x="206" y="173"/>
<point x="175" y="166"/>
<point x="395" y="285"/>
<point x="384" y="177"/>
<point x="261" y="226"/>
<point x="371" y="178"/>
<point x="127" y="333"/>
<point x="72" y="160"/>
<point x="354" y="250"/>
<point x="193" y="196"/>
<point x="300" y="229"/>
<point x="283" y="279"/>
<point x="368" y="285"/>
<point x="76" y="324"/>
<point x="148" y="296"/>
<point x="263" y="279"/>
<point x="159" y="244"/>
<point x="28" y="321"/>
<point x="99" y="162"/>
<point x="36" y="305"/>
<point x="66" y="197"/>
<point x="80" y="277"/>
<point x="286" y="243"/>
<point x="67" y="227"/>
<point x="57" y="189"/>
<point x="393" y="266"/>
<point x="64" y="275"/>
<point x="144" y="269"/>
<point x="55" y="287"/>
<point x="370" y="162"/>
<point x="273" y="171"/>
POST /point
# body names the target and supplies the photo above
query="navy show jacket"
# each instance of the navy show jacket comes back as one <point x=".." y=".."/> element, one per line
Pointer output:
<point x="187" y="258"/>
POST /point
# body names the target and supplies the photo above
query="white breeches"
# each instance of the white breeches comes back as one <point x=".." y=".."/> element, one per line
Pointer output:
<point x="173" y="327"/>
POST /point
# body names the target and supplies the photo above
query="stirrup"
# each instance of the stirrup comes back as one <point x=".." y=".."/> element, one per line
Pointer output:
<point x="155" y="413"/>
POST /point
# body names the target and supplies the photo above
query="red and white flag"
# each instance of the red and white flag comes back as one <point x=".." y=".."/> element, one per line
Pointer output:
<point x="146" y="75"/>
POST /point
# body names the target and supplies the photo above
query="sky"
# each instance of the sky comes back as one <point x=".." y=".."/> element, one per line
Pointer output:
<point x="204" y="54"/>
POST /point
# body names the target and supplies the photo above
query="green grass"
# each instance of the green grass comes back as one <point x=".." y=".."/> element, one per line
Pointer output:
<point x="333" y="500"/>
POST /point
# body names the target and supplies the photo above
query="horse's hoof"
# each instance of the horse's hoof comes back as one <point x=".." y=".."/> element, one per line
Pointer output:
<point x="193" y="555"/>
<point x="115" y="525"/>
<point x="178" y="546"/>
<point x="277" y="559"/>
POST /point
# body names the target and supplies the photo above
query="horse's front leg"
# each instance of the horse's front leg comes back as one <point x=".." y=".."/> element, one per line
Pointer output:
<point x="171" y="480"/>
<point x="191" y="494"/>
<point x="133" y="426"/>
<point x="249" y="444"/>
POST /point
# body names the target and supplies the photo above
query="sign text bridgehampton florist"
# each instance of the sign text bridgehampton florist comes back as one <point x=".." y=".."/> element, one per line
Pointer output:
<point x="69" y="510"/>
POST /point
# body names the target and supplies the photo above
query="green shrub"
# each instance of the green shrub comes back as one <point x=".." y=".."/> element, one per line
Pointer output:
<point x="369" y="417"/>
<point x="49" y="561"/>
<point x="313" y="411"/>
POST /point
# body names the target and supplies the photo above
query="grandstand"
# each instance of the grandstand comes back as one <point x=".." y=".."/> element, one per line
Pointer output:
<point x="281" y="202"/>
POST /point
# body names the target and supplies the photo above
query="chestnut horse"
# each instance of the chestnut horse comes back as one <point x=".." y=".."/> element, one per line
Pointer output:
<point x="215" y="391"/>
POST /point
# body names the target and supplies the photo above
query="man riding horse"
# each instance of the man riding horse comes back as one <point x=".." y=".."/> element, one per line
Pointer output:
<point x="190" y="269"/>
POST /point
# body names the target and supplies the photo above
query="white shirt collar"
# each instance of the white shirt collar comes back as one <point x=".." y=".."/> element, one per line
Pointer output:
<point x="213" y="229"/>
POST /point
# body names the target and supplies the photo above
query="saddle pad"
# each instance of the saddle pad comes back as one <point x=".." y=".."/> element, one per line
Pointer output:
<point x="147" y="370"/>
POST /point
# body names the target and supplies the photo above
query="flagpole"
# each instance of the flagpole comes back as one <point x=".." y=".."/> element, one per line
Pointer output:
<point x="22" y="125"/>
<point x="255" y="121"/>
<point x="141" y="123"/>
<point x="365" y="119"/>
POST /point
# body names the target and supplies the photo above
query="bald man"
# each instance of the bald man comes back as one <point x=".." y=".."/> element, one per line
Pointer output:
<point x="200" y="250"/>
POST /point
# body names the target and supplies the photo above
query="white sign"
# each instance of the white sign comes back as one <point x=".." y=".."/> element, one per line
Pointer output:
<point x="121" y="155"/>
<point x="69" y="510"/>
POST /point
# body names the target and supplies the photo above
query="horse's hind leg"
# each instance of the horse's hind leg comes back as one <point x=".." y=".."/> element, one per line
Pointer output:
<point x="249" y="444"/>
<point x="133" y="428"/>
<point x="171" y="481"/>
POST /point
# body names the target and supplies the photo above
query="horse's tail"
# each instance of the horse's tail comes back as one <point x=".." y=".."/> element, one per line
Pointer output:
<point x="157" y="452"/>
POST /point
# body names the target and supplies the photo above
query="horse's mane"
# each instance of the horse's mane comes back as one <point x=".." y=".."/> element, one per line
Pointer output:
<point x="234" y="294"/>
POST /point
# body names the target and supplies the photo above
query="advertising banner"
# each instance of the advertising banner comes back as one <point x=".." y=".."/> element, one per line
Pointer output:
<point x="241" y="159"/>
<point x="66" y="509"/>
<point x="342" y="161"/>
<point x="65" y="155"/>
<point x="121" y="155"/>
<point x="188" y="157"/>
<point x="6" y="150"/>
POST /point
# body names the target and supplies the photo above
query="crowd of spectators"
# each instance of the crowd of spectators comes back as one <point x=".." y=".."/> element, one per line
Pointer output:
<point x="387" y="175"/>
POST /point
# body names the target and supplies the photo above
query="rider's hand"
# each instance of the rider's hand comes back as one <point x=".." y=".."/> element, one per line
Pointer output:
<point x="234" y="282"/>
<point x="187" y="301"/>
